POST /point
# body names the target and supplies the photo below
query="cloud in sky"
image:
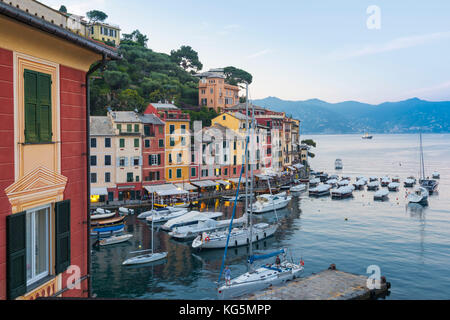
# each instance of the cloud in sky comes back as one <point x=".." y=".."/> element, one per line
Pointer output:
<point x="435" y="92"/>
<point x="392" y="45"/>
<point x="259" y="53"/>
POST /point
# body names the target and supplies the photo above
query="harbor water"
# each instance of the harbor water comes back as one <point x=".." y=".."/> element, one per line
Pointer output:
<point x="410" y="244"/>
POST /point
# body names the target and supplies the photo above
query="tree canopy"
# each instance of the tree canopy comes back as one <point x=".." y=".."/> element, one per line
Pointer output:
<point x="237" y="76"/>
<point x="187" y="58"/>
<point x="141" y="77"/>
<point x="135" y="38"/>
<point x="63" y="9"/>
<point x="96" y="15"/>
<point x="309" y="142"/>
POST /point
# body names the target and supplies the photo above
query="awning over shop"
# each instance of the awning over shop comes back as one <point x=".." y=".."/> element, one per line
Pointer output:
<point x="204" y="183"/>
<point x="224" y="183"/>
<point x="236" y="180"/>
<point x="291" y="168"/>
<point x="165" y="190"/>
<point x="99" y="191"/>
<point x="298" y="165"/>
<point x="186" y="186"/>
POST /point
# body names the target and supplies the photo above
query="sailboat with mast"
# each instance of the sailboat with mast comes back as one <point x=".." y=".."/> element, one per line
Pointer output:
<point x="429" y="184"/>
<point x="254" y="279"/>
<point x="147" y="257"/>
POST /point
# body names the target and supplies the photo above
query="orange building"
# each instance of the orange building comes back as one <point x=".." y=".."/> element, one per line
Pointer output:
<point x="214" y="92"/>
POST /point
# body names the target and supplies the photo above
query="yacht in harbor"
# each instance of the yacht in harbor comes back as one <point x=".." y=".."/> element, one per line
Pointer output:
<point x="367" y="136"/>
<point x="338" y="164"/>
<point x="430" y="184"/>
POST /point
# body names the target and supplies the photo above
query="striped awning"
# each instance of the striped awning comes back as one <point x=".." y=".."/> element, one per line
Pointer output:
<point x="224" y="183"/>
<point x="165" y="190"/>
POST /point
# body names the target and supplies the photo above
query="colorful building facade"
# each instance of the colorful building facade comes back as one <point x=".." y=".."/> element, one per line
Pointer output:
<point x="43" y="176"/>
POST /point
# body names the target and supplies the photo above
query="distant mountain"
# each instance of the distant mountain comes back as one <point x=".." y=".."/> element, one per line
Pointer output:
<point x="409" y="116"/>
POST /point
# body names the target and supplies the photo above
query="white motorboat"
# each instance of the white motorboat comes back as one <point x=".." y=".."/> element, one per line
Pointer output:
<point x="338" y="164"/>
<point x="359" y="184"/>
<point x="298" y="188"/>
<point x="343" y="183"/>
<point x="393" y="186"/>
<point x="367" y="136"/>
<point x="385" y="181"/>
<point x="396" y="179"/>
<point x="238" y="236"/>
<point x="420" y="195"/>
<point x="373" y="186"/>
<point x="263" y="277"/>
<point x="436" y="175"/>
<point x="345" y="177"/>
<point x="343" y="192"/>
<point x="123" y="210"/>
<point x="373" y="178"/>
<point x="320" y="190"/>
<point x="409" y="182"/>
<point x="115" y="239"/>
<point x="158" y="216"/>
<point x="101" y="213"/>
<point x="314" y="182"/>
<point x="144" y="215"/>
<point x="190" y="232"/>
<point x="381" y="195"/>
<point x="267" y="202"/>
<point x="192" y="217"/>
<point x="332" y="182"/>
<point x="362" y="178"/>
<point x="334" y="176"/>
<point x="145" y="258"/>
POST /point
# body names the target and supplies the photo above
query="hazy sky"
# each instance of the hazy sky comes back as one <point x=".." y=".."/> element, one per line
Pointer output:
<point x="300" y="49"/>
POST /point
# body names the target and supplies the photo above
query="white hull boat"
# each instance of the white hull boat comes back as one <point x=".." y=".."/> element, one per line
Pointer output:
<point x="314" y="182"/>
<point x="393" y="186"/>
<point x="332" y="182"/>
<point x="436" y="175"/>
<point x="343" y="192"/>
<point x="144" y="215"/>
<point x="191" y="232"/>
<point x="345" y="177"/>
<point x="115" y="239"/>
<point x="420" y="195"/>
<point x="409" y="182"/>
<point x="145" y="258"/>
<point x="343" y="183"/>
<point x="192" y="217"/>
<point x="101" y="213"/>
<point x="320" y="190"/>
<point x="338" y="164"/>
<point x="298" y="188"/>
<point x="381" y="195"/>
<point x="373" y="178"/>
<point x="238" y="236"/>
<point x="123" y="210"/>
<point x="259" y="279"/>
<point x="163" y="215"/>
<point x="359" y="184"/>
<point x="267" y="203"/>
<point x="385" y="181"/>
<point x="373" y="186"/>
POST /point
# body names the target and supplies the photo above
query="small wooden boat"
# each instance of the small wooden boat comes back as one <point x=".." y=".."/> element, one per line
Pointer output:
<point x="107" y="231"/>
<point x="396" y="179"/>
<point x="298" y="188"/>
<point x="108" y="222"/>
<point x="436" y="175"/>
<point x="343" y="192"/>
<point x="314" y="182"/>
<point x="115" y="239"/>
<point x="385" y="181"/>
<point x="373" y="178"/>
<point x="338" y="164"/>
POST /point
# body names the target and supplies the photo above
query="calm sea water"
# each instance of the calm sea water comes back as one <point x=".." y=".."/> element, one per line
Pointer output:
<point x="410" y="244"/>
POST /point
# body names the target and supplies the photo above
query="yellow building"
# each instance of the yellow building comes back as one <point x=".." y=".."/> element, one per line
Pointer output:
<point x="105" y="32"/>
<point x="177" y="140"/>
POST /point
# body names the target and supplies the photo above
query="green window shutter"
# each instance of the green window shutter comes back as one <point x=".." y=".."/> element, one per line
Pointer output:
<point x="44" y="114"/>
<point x="122" y="143"/>
<point x="136" y="143"/>
<point x="31" y="105"/>
<point x="136" y="128"/>
<point x="16" y="255"/>
<point x="62" y="236"/>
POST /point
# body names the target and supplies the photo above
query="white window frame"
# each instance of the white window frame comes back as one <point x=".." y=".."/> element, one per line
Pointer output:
<point x="49" y="261"/>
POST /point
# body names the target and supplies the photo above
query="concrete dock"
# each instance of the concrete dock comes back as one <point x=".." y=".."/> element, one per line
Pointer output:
<point x="329" y="284"/>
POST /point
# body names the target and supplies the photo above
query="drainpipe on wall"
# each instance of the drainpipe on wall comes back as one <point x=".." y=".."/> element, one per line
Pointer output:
<point x="88" y="169"/>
